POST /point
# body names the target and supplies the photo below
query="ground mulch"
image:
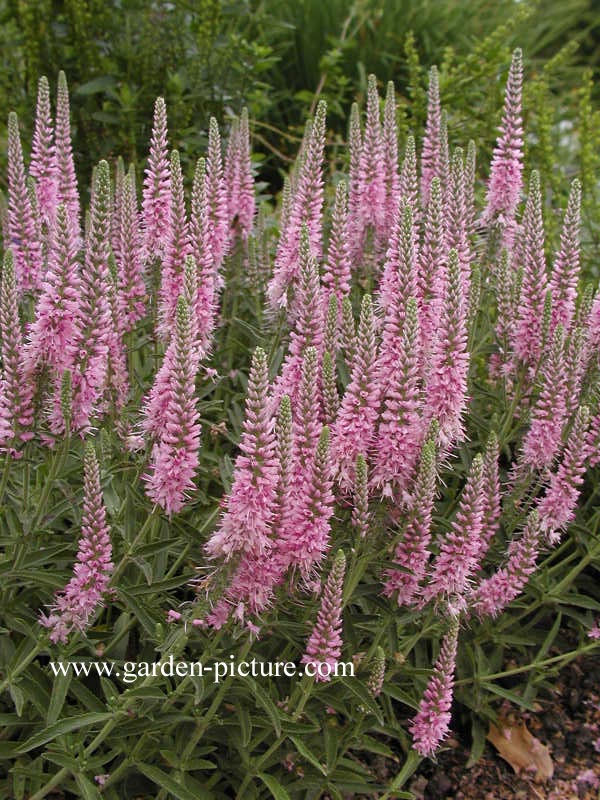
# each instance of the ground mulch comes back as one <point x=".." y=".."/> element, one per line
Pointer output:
<point x="568" y="724"/>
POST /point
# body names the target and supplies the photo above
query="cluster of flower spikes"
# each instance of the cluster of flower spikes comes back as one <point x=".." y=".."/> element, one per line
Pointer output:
<point x="89" y="290"/>
<point x="402" y="412"/>
<point x="400" y="417"/>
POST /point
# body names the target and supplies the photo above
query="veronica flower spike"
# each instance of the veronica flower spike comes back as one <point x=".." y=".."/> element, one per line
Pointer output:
<point x="505" y="183"/>
<point x="16" y="387"/>
<point x="432" y="722"/>
<point x="24" y="235"/>
<point x="461" y="547"/>
<point x="250" y="504"/>
<point x="68" y="192"/>
<point x="90" y="345"/>
<point x="174" y="461"/>
<point x="446" y="388"/>
<point x="156" y="192"/>
<point x="412" y="551"/>
<point x="527" y="337"/>
<point x="496" y="592"/>
<point x="430" y="155"/>
<point x="324" y="645"/>
<point x="354" y="429"/>
<point x="177" y="248"/>
<point x="43" y="157"/>
<point x="75" y="605"/>
<point x="52" y="332"/>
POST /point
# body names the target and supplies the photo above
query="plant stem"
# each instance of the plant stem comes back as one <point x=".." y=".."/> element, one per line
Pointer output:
<point x="528" y="667"/>
<point x="304" y="689"/>
<point x="152" y="517"/>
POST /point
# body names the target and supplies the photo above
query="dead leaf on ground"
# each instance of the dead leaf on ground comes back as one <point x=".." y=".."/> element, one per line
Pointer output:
<point x="526" y="754"/>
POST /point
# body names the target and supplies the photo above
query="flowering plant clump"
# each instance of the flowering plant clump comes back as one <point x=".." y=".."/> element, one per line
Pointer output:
<point x="359" y="427"/>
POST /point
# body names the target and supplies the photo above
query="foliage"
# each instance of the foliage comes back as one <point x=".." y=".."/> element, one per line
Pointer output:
<point x="255" y="738"/>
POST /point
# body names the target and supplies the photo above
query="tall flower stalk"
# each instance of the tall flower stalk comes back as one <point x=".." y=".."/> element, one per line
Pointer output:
<point x="75" y="605"/>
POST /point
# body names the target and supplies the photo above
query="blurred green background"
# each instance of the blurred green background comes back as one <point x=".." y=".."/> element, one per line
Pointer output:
<point x="211" y="57"/>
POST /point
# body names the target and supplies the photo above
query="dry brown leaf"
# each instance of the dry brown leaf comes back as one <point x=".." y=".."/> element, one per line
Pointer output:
<point x="526" y="754"/>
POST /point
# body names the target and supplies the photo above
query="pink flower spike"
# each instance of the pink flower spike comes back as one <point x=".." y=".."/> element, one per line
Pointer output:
<point x="412" y="551"/>
<point x="390" y="157"/>
<point x="372" y="171"/>
<point x="542" y="441"/>
<point x="354" y="429"/>
<point x="76" y="604"/>
<point x="430" y="154"/>
<point x="324" y="645"/>
<point x="306" y="425"/>
<point x="400" y="432"/>
<point x="491" y="489"/>
<point x="239" y="182"/>
<point x="90" y="346"/>
<point x="216" y="195"/>
<point x="178" y="247"/>
<point x="447" y="380"/>
<point x="205" y="305"/>
<point x="132" y="290"/>
<point x="156" y="202"/>
<point x="494" y="593"/>
<point x="52" y="334"/>
<point x="409" y="182"/>
<point x="24" y="235"/>
<point x="360" y="511"/>
<point x="431" y="724"/>
<point x="43" y="158"/>
<point x="16" y="387"/>
<point x="68" y="192"/>
<point x="461" y="547"/>
<point x="118" y="376"/>
<point x="337" y="271"/>
<point x="354" y="151"/>
<point x="117" y="210"/>
<point x="305" y="539"/>
<point x="305" y="209"/>
<point x="565" y="272"/>
<point x="527" y="342"/>
<point x="457" y="221"/>
<point x="470" y="176"/>
<point x="246" y="525"/>
<point x="399" y="278"/>
<point x="505" y="183"/>
<point x="557" y="507"/>
<point x="431" y="276"/>
<point x="174" y="460"/>
<point x="156" y="403"/>
<point x="309" y="321"/>
<point x="284" y="450"/>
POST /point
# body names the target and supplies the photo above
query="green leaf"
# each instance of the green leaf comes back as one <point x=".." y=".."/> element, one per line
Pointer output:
<point x="60" y="688"/>
<point x="508" y="695"/>
<point x="360" y="691"/>
<point x="478" y="736"/>
<point x="263" y="699"/>
<point x="18" y="698"/>
<point x="278" y="791"/>
<point x="174" y="788"/>
<point x="308" y="755"/>
<point x="87" y="788"/>
<point x="138" y="610"/>
<point x="64" y="726"/>
<point x="8" y="750"/>
<point x="245" y="726"/>
<point x="96" y="85"/>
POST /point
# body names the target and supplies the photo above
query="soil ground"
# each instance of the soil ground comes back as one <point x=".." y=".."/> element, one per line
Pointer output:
<point x="568" y="724"/>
